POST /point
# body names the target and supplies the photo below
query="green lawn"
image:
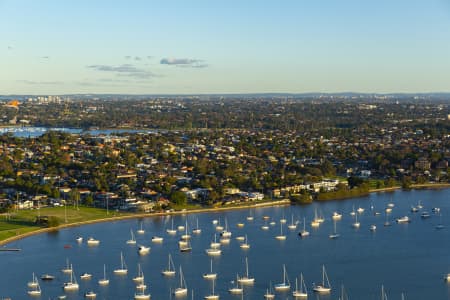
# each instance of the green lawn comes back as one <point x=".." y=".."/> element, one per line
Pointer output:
<point x="23" y="221"/>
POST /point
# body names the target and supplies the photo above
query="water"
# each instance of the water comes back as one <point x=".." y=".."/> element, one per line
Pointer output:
<point x="33" y="132"/>
<point x="410" y="258"/>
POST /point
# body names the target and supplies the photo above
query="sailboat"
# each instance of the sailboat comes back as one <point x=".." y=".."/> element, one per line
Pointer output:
<point x="68" y="268"/>
<point x="303" y="233"/>
<point x="141" y="230"/>
<point x="265" y="226"/>
<point x="123" y="267"/>
<point x="210" y="275"/>
<point x="140" y="293"/>
<point x="246" y="279"/>
<point x="281" y="236"/>
<point x="140" y="276"/>
<point x="131" y="241"/>
<point x="293" y="225"/>
<point x="212" y="296"/>
<point x="197" y="229"/>
<point x="302" y="292"/>
<point x="343" y="296"/>
<point x="90" y="295"/>
<point x="182" y="289"/>
<point x="186" y="235"/>
<point x="334" y="235"/>
<point x="34" y="282"/>
<point x="185" y="246"/>
<point x="170" y="271"/>
<point x="213" y="251"/>
<point x="92" y="242"/>
<point x="157" y="239"/>
<point x="104" y="280"/>
<point x="325" y="287"/>
<point x="171" y="230"/>
<point x="356" y="224"/>
<point x="72" y="285"/>
<point x="245" y="244"/>
<point x="285" y="285"/>
<point x="35" y="289"/>
<point x="225" y="233"/>
<point x="236" y="289"/>
<point x="269" y="292"/>
<point x="383" y="293"/>
<point x="387" y="222"/>
<point x="214" y="244"/>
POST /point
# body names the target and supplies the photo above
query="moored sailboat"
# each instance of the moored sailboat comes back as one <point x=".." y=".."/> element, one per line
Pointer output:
<point x="325" y="287"/>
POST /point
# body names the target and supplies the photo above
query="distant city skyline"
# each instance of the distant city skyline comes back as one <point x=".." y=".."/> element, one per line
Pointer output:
<point x="201" y="47"/>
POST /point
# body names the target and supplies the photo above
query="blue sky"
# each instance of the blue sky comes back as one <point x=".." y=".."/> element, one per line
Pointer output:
<point x="85" y="46"/>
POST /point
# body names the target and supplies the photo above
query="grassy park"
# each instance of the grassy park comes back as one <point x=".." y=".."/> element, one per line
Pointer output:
<point x="24" y="221"/>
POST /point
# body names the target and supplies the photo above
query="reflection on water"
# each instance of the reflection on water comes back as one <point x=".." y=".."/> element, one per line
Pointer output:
<point x="409" y="258"/>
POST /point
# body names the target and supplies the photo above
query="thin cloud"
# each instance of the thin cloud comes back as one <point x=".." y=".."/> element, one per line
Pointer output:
<point x="184" y="62"/>
<point x="127" y="70"/>
<point x="33" y="82"/>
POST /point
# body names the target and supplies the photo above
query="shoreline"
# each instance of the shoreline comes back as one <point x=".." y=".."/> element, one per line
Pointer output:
<point x="202" y="210"/>
<point x="143" y="215"/>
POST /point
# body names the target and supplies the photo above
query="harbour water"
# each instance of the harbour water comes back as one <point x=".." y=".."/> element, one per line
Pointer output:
<point x="410" y="258"/>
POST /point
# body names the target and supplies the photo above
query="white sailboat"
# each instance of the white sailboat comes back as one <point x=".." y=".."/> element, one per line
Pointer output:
<point x="281" y="236"/>
<point x="71" y="285"/>
<point x="34" y="282"/>
<point x="197" y="230"/>
<point x="186" y="235"/>
<point x="245" y="244"/>
<point x="211" y="274"/>
<point x="171" y="230"/>
<point x="92" y="242"/>
<point x="140" y="293"/>
<point x="212" y="296"/>
<point x="236" y="289"/>
<point x="214" y="244"/>
<point x="157" y="239"/>
<point x="269" y="292"/>
<point x="185" y="246"/>
<point x="90" y="295"/>
<point x="293" y="225"/>
<point x="104" y="281"/>
<point x="285" y="285"/>
<point x="302" y="292"/>
<point x="356" y="224"/>
<point x="304" y="232"/>
<point x="131" y="241"/>
<point x="246" y="279"/>
<point x="170" y="271"/>
<point x="334" y="235"/>
<point x="226" y="233"/>
<point x="182" y="289"/>
<point x="35" y="289"/>
<point x="325" y="287"/>
<point x="141" y="230"/>
<point x="139" y="278"/>
<point x="123" y="267"/>
<point x="68" y="268"/>
<point x="213" y="251"/>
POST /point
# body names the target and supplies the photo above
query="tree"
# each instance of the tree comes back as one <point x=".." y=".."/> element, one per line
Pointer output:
<point x="178" y="198"/>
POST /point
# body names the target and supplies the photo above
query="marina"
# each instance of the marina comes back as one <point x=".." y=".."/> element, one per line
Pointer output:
<point x="390" y="253"/>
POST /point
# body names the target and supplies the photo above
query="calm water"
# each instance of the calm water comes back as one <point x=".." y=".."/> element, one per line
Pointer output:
<point x="38" y="131"/>
<point x="410" y="258"/>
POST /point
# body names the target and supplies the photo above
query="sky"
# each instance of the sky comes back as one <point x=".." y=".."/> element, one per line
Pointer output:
<point x="234" y="46"/>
